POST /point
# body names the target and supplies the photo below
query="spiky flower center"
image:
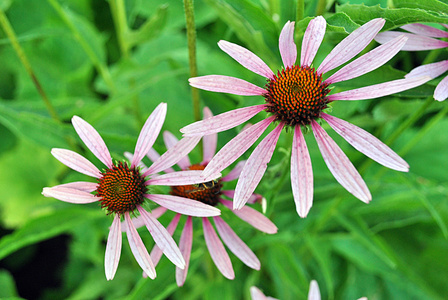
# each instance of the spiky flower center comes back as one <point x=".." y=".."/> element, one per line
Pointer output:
<point x="206" y="192"/>
<point x="121" y="189"/>
<point x="296" y="95"/>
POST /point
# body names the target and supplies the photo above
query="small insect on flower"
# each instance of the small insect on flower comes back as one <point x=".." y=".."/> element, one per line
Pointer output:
<point x="209" y="185"/>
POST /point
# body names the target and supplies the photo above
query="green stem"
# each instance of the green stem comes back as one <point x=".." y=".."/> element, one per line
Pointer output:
<point x="300" y="10"/>
<point x="321" y="7"/>
<point x="4" y="22"/>
<point x="119" y="16"/>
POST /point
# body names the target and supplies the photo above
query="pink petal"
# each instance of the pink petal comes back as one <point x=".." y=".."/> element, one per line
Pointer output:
<point x="76" y="162"/>
<point x="84" y="186"/>
<point x="312" y="39"/>
<point x="185" y="243"/>
<point x="236" y="245"/>
<point x="217" y="251"/>
<point x="235" y="173"/>
<point x="414" y="42"/>
<point x="380" y="90"/>
<point x="139" y="222"/>
<point x="113" y="248"/>
<point x="301" y="174"/>
<point x="226" y="84"/>
<point x="138" y="249"/>
<point x="425" y="30"/>
<point x="441" y="91"/>
<point x="351" y="45"/>
<point x="129" y="156"/>
<point x="369" y="61"/>
<point x="255" y="167"/>
<point x="253" y="217"/>
<point x="173" y="155"/>
<point x="314" y="293"/>
<point x="236" y="147"/>
<point x="432" y="70"/>
<point x="149" y="133"/>
<point x="256" y="294"/>
<point x="181" y="178"/>
<point x="246" y="58"/>
<point x="366" y="143"/>
<point x="223" y="121"/>
<point x="70" y="195"/>
<point x="340" y="166"/>
<point x="184" y="206"/>
<point x="288" y="49"/>
<point x="170" y="142"/>
<point x="93" y="140"/>
<point x="210" y="141"/>
<point x="162" y="238"/>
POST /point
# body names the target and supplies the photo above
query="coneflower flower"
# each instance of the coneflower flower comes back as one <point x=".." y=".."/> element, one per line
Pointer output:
<point x="423" y="37"/>
<point x="296" y="97"/>
<point x="121" y="189"/>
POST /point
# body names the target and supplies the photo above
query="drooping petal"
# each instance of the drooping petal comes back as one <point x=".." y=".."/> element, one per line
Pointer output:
<point x="71" y="195"/>
<point x="366" y="143"/>
<point x="287" y="47"/>
<point x="217" y="251"/>
<point x="246" y="58"/>
<point x="314" y="293"/>
<point x="235" y="173"/>
<point x="301" y="174"/>
<point x="414" y="43"/>
<point x="209" y="141"/>
<point x="113" y="248"/>
<point x="170" y="141"/>
<point x="351" y="45"/>
<point x="162" y="238"/>
<point x="173" y="155"/>
<point x="92" y="140"/>
<point x="369" y="61"/>
<point x="139" y="222"/>
<point x="236" y="147"/>
<point x="314" y="34"/>
<point x="339" y="165"/>
<point x="138" y="249"/>
<point x="185" y="243"/>
<point x="226" y="84"/>
<point x="236" y="245"/>
<point x="149" y="133"/>
<point x="76" y="162"/>
<point x="184" y="206"/>
<point x="181" y="178"/>
<point x="255" y="167"/>
<point x="380" y="90"/>
<point x="441" y="91"/>
<point x="432" y="70"/>
<point x="84" y="186"/>
<point x="223" y="121"/>
<point x="156" y="252"/>
<point x="425" y="30"/>
<point x="253" y="217"/>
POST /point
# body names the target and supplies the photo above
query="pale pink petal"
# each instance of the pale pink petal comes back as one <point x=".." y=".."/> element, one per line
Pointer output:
<point x="445" y="25"/>
<point x="287" y="47"/>
<point x="181" y="178"/>
<point x="380" y="90"/>
<point x="255" y="167"/>
<point x="170" y="141"/>
<point x="138" y="249"/>
<point x="149" y="133"/>
<point x="369" y="61"/>
<point x="184" y="206"/>
<point x="236" y="147"/>
<point x="301" y="174"/>
<point x="113" y="248"/>
<point x="129" y="156"/>
<point x="223" y="121"/>
<point x="253" y="217"/>
<point x="414" y="42"/>
<point x="432" y="70"/>
<point x="93" y="140"/>
<point x="441" y="91"/>
<point x="314" y="293"/>
<point x="185" y="243"/>
<point x="246" y="58"/>
<point x="76" y="162"/>
<point x="210" y="141"/>
<point x="162" y="238"/>
<point x="236" y="245"/>
<point x="340" y="166"/>
<point x="153" y="155"/>
<point x="226" y="84"/>
<point x="235" y="173"/>
<point x="254" y="198"/>
<point x="173" y="155"/>
<point x="84" y="186"/>
<point x="366" y="143"/>
<point x="256" y="294"/>
<point x="312" y="39"/>
<point x="425" y="30"/>
<point x="71" y="195"/>
<point x="217" y="251"/>
<point x="351" y="45"/>
<point x="140" y="222"/>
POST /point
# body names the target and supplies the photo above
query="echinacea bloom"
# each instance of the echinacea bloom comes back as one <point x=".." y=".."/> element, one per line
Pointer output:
<point x="211" y="193"/>
<point x="121" y="190"/>
<point x="296" y="97"/>
<point x="423" y="37"/>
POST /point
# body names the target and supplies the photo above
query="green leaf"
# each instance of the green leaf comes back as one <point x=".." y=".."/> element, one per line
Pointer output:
<point x="8" y="290"/>
<point x="433" y="5"/>
<point x="150" y="29"/>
